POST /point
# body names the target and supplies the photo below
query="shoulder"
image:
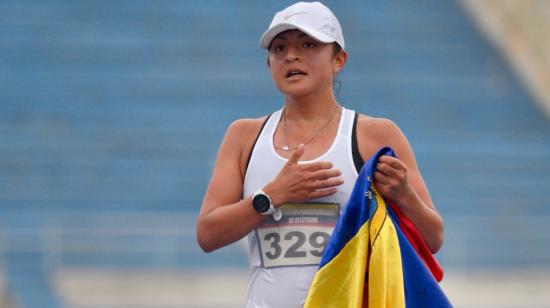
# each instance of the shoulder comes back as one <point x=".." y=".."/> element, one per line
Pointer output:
<point x="374" y="133"/>
<point x="241" y="135"/>
<point x="244" y="129"/>
<point x="379" y="130"/>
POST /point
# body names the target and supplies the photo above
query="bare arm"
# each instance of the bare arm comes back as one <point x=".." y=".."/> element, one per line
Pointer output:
<point x="400" y="180"/>
<point x="225" y="218"/>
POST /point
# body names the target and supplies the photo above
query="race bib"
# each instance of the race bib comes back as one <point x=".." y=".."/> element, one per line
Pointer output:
<point x="297" y="235"/>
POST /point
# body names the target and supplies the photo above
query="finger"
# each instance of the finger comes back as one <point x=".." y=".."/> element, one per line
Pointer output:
<point x="382" y="189"/>
<point x="326" y="184"/>
<point x="295" y="157"/>
<point x="317" y="166"/>
<point x="387" y="169"/>
<point x="381" y="178"/>
<point x="392" y="161"/>
<point x="322" y="193"/>
<point x="324" y="174"/>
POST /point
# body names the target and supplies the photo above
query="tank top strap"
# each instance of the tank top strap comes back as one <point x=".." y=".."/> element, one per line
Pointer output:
<point x="271" y="124"/>
<point x="347" y="123"/>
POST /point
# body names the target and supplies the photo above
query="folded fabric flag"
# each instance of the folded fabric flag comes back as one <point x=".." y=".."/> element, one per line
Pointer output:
<point x="417" y="242"/>
<point x="369" y="261"/>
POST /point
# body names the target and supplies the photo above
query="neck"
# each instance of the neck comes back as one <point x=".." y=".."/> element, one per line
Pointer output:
<point x="310" y="107"/>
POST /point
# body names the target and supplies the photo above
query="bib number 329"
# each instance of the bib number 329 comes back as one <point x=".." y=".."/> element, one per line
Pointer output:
<point x="299" y="237"/>
<point x="298" y="246"/>
<point x="296" y="240"/>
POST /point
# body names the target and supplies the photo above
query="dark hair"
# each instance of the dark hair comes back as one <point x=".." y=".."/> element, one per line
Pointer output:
<point x="336" y="86"/>
<point x="337" y="48"/>
<point x="336" y="83"/>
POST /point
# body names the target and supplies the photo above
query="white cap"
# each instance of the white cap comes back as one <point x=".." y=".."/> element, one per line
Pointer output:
<point x="312" y="18"/>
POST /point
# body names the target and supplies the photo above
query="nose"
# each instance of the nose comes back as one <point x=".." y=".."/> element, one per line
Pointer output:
<point x="292" y="54"/>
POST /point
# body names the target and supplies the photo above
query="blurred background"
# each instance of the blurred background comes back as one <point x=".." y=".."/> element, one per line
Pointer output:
<point x="111" y="113"/>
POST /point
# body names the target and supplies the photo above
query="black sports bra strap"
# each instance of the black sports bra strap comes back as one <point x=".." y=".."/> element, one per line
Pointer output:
<point x="255" y="141"/>
<point x="357" y="159"/>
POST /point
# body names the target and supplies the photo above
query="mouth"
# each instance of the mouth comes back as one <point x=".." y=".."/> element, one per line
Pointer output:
<point x="294" y="72"/>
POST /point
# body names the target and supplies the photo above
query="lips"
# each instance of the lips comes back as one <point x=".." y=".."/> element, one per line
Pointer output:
<point x="294" y="72"/>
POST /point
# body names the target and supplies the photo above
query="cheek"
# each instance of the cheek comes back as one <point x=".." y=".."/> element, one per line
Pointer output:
<point x="324" y="64"/>
<point x="323" y="69"/>
<point x="275" y="69"/>
<point x="276" y="74"/>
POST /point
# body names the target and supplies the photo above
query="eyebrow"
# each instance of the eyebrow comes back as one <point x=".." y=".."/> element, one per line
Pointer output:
<point x="281" y="37"/>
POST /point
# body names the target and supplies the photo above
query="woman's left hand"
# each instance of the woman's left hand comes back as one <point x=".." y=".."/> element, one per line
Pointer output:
<point x="390" y="179"/>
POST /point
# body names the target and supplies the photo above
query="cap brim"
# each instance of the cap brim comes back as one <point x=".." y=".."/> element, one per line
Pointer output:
<point x="267" y="37"/>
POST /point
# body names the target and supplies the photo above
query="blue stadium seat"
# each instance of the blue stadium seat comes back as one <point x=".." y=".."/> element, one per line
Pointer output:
<point x="115" y="108"/>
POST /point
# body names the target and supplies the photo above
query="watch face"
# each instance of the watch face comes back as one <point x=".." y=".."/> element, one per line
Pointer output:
<point x="261" y="203"/>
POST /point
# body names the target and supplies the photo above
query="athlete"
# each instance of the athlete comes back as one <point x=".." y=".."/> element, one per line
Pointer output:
<point x="282" y="180"/>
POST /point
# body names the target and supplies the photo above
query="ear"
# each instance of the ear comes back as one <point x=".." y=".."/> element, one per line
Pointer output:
<point x="339" y="61"/>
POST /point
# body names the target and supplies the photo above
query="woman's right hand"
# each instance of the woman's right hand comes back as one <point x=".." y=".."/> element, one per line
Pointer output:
<point x="302" y="182"/>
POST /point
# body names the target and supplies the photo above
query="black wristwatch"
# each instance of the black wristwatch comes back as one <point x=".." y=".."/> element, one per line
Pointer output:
<point x="262" y="203"/>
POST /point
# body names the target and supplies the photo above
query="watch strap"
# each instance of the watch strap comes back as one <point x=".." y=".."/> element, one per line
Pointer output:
<point x="271" y="209"/>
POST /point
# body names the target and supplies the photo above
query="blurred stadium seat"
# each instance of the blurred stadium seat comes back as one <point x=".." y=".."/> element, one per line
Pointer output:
<point x="112" y="112"/>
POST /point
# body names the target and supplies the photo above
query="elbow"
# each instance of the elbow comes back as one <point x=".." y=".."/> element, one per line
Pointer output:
<point x="204" y="245"/>
<point x="437" y="240"/>
<point x="204" y="239"/>
<point x="436" y="243"/>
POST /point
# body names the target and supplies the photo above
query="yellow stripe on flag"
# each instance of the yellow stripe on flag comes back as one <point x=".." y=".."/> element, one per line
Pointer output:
<point x="341" y="282"/>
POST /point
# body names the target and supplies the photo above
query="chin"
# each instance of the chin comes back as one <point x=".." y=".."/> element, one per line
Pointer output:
<point x="295" y="89"/>
<point x="296" y="93"/>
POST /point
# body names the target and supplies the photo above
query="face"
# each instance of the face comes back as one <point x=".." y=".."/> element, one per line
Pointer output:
<point x="301" y="65"/>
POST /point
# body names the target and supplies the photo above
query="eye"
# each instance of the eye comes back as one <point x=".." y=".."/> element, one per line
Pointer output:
<point x="308" y="45"/>
<point x="276" y="48"/>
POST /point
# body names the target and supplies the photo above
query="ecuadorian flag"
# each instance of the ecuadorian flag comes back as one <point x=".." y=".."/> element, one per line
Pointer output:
<point x="375" y="256"/>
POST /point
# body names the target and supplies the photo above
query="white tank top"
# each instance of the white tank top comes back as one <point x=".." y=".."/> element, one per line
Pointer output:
<point x="284" y="254"/>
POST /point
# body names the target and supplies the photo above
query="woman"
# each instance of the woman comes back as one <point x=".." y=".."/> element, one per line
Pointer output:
<point x="282" y="180"/>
